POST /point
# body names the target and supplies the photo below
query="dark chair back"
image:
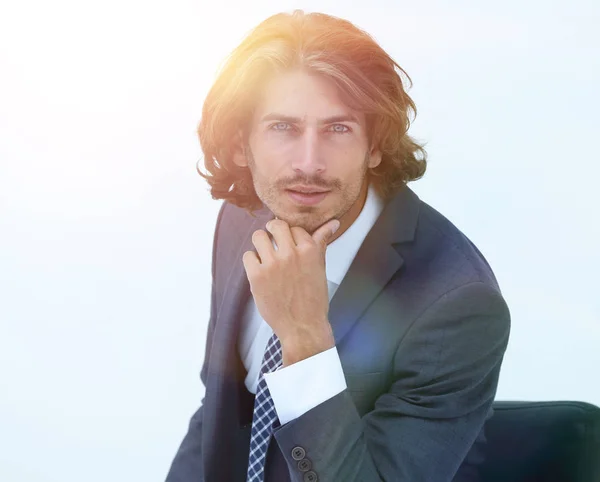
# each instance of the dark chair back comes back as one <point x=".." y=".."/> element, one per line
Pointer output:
<point x="543" y="442"/>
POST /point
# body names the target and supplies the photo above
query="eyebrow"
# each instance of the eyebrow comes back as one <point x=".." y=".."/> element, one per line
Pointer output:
<point x="297" y="120"/>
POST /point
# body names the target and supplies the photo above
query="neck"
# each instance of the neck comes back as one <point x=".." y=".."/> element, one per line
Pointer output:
<point x="347" y="219"/>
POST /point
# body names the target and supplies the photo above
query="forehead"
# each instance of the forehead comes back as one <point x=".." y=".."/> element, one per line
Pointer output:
<point x="304" y="95"/>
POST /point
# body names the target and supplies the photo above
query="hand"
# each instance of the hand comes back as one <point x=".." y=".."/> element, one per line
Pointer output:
<point x="289" y="286"/>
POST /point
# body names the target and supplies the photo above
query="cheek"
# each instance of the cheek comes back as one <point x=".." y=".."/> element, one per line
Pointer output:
<point x="272" y="151"/>
<point x="275" y="141"/>
<point x="347" y="161"/>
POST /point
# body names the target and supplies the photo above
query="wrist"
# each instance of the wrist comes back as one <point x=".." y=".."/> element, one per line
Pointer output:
<point x="297" y="349"/>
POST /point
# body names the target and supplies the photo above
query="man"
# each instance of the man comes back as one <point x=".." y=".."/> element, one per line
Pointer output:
<point x="355" y="333"/>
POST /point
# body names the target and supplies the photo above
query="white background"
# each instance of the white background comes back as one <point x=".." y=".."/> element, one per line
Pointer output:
<point x="106" y="229"/>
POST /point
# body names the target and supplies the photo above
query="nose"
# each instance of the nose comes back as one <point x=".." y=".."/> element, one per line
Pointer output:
<point x="309" y="160"/>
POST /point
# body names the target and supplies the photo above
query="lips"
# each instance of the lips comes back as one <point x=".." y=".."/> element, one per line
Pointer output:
<point x="307" y="199"/>
<point x="307" y="192"/>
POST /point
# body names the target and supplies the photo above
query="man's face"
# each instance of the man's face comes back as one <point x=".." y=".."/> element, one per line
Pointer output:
<point x="303" y="135"/>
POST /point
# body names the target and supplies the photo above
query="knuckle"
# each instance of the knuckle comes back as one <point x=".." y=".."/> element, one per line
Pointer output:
<point x="306" y="248"/>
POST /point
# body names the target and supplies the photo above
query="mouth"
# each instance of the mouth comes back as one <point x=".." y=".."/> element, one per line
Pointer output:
<point x="307" y="198"/>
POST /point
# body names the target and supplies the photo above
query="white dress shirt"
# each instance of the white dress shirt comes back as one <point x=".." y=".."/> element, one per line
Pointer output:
<point x="298" y="388"/>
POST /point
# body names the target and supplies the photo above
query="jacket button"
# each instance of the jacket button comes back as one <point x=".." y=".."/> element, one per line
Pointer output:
<point x="304" y="465"/>
<point x="310" y="477"/>
<point x="298" y="453"/>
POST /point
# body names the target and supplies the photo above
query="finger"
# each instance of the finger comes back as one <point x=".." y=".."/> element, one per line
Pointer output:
<point x="251" y="263"/>
<point x="282" y="235"/>
<point x="301" y="236"/>
<point x="325" y="232"/>
<point x="263" y="245"/>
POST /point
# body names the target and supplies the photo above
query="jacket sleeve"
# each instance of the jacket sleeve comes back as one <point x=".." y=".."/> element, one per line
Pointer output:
<point x="445" y="376"/>
<point x="187" y="465"/>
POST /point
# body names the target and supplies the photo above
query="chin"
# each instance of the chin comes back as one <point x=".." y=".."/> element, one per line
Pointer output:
<point x="310" y="218"/>
<point x="309" y="222"/>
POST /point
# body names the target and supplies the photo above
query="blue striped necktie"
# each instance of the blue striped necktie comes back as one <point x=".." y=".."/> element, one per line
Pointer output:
<point x="264" y="418"/>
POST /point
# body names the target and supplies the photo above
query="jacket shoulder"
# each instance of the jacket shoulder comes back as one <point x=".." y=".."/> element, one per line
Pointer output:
<point x="448" y="250"/>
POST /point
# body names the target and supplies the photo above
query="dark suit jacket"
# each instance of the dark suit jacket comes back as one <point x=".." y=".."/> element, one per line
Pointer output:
<point x="421" y="329"/>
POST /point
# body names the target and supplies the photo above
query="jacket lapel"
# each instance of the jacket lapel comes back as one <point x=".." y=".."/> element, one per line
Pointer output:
<point x="237" y="292"/>
<point x="375" y="263"/>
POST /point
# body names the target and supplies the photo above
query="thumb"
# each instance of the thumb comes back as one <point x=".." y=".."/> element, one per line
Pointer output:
<point x="325" y="232"/>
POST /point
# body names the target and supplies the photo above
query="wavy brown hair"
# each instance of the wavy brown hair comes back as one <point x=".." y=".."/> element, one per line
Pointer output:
<point x="367" y="78"/>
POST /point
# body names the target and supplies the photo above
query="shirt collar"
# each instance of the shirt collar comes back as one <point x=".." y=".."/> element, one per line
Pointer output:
<point x="341" y="252"/>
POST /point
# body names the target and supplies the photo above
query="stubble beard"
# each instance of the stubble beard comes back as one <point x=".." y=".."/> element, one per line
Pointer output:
<point x="310" y="218"/>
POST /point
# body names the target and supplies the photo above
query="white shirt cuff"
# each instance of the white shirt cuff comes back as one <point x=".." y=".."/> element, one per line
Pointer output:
<point x="300" y="387"/>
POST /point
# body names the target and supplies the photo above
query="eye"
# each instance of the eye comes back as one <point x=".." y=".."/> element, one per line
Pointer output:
<point x="339" y="128"/>
<point x="281" y="126"/>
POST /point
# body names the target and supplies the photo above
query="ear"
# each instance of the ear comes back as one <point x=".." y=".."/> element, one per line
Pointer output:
<point x="239" y="157"/>
<point x="374" y="158"/>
